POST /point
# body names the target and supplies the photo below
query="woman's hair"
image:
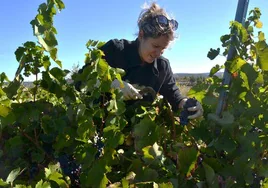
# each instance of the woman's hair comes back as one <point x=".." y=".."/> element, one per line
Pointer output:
<point x="150" y="29"/>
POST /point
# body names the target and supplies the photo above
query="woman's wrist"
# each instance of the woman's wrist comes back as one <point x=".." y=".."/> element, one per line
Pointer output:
<point x="182" y="102"/>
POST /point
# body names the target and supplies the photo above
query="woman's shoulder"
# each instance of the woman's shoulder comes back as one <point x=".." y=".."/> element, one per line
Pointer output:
<point x="163" y="62"/>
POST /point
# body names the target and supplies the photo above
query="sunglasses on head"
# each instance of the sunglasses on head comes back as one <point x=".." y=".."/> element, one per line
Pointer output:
<point x="164" y="22"/>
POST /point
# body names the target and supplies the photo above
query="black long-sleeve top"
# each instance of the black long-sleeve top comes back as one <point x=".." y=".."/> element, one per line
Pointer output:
<point x="158" y="75"/>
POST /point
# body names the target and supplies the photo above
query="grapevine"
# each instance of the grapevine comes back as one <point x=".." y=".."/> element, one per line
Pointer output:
<point x="56" y="135"/>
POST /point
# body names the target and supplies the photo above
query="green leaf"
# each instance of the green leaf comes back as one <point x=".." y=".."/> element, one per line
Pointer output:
<point x="13" y="175"/>
<point x="187" y="159"/>
<point x="3" y="77"/>
<point x="224" y="38"/>
<point x="147" y="175"/>
<point x="4" y="111"/>
<point x="102" y="67"/>
<point x="226" y="143"/>
<point x="50" y="39"/>
<point x="40" y="19"/>
<point x="215" y="69"/>
<point x="210" y="174"/>
<point x="21" y="186"/>
<point x="238" y="29"/>
<point x="12" y="88"/>
<point x="153" y="155"/>
<point x="166" y="185"/>
<point x="198" y="91"/>
<point x="42" y="184"/>
<point x="153" y="151"/>
<point x="41" y="40"/>
<point x="81" y="110"/>
<point x="85" y="154"/>
<point x="146" y="133"/>
<point x="146" y="152"/>
<point x="38" y="156"/>
<point x="116" y="107"/>
<point x="58" y="73"/>
<point x="20" y="53"/>
<point x="57" y="177"/>
<point x="125" y="183"/>
<point x="60" y="5"/>
<point x="250" y="73"/>
<point x="235" y="64"/>
<point x="3" y="183"/>
<point x="59" y="63"/>
<point x="245" y="79"/>
<point x="250" y="29"/>
<point x="262" y="54"/>
<point x="212" y="54"/>
<point x="113" y="136"/>
<point x="261" y="36"/>
<point x="91" y="43"/>
<point x="53" y="53"/>
<point x="96" y="176"/>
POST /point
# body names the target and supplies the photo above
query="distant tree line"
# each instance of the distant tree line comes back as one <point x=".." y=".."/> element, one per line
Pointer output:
<point x="190" y="80"/>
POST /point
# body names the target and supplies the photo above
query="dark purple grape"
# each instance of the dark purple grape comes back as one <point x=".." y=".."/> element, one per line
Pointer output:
<point x="99" y="145"/>
<point x="255" y="129"/>
<point x="256" y="180"/>
<point x="199" y="160"/>
<point x="33" y="170"/>
<point x="70" y="168"/>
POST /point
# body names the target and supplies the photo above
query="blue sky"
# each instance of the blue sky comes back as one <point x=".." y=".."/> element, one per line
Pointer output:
<point x="201" y="23"/>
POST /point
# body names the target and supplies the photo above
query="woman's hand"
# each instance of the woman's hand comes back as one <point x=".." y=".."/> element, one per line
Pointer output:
<point x="198" y="108"/>
<point x="128" y="90"/>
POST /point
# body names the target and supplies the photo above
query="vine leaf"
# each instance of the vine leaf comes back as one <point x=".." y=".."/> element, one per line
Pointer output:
<point x="227" y="118"/>
<point x="42" y="184"/>
<point x="258" y="24"/>
<point x="215" y="69"/>
<point x="52" y="174"/>
<point x="13" y="175"/>
<point x="262" y="51"/>
<point x="187" y="160"/>
<point x="96" y="175"/>
<point x="4" y="111"/>
<point x="3" y="183"/>
<point x="235" y="64"/>
<point x="210" y="174"/>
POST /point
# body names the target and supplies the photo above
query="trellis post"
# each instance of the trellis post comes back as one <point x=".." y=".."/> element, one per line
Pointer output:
<point x="240" y="16"/>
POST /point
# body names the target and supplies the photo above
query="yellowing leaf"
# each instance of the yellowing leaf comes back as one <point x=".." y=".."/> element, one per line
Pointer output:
<point x="235" y="64"/>
<point x="4" y="111"/>
<point x="258" y="24"/>
<point x="261" y="36"/>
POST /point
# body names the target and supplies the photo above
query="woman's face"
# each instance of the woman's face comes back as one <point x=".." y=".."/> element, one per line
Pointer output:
<point x="152" y="48"/>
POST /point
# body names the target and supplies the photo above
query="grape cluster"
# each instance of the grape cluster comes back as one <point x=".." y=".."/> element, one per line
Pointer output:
<point x="33" y="170"/>
<point x="191" y="102"/>
<point x="70" y="168"/>
<point x="256" y="181"/>
<point x="148" y="94"/>
<point x="255" y="130"/>
<point x="200" y="160"/>
<point x="99" y="145"/>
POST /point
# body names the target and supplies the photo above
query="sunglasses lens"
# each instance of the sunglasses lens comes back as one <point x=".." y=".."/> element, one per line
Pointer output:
<point x="174" y="24"/>
<point x="162" y="20"/>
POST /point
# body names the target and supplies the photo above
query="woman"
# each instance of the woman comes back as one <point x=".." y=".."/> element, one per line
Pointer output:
<point x="143" y="62"/>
